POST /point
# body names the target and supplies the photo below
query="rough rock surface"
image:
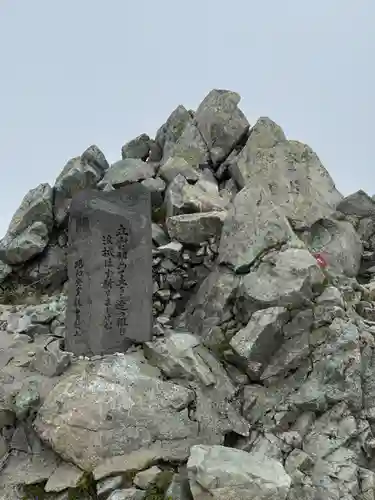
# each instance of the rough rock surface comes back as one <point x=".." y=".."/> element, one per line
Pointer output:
<point x="259" y="380"/>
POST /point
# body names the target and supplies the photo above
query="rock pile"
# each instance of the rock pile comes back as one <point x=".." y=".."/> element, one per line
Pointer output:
<point x="259" y="382"/>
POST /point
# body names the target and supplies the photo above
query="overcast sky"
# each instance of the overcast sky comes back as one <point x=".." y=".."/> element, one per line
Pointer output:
<point x="78" y="72"/>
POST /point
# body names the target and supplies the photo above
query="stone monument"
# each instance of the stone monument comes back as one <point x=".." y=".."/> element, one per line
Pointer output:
<point x="110" y="271"/>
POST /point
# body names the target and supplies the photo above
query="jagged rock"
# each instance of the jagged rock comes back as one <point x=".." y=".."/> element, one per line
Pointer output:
<point x="94" y="156"/>
<point x="182" y="197"/>
<point x="78" y="174"/>
<point x="195" y="228"/>
<point x="158" y="235"/>
<point x="359" y="204"/>
<point x="190" y="145"/>
<point x="260" y="339"/>
<point x="253" y="226"/>
<point x="51" y="361"/>
<point x="138" y="148"/>
<point x="225" y="473"/>
<point x="284" y="279"/>
<point x="170" y="132"/>
<point x="221" y="123"/>
<point x="178" y="166"/>
<point x="127" y="171"/>
<point x="147" y="477"/>
<point x="207" y="308"/>
<point x="293" y="173"/>
<point x="340" y="244"/>
<point x="29" y="230"/>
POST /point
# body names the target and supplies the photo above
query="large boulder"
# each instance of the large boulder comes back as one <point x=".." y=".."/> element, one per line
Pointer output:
<point x="338" y="242"/>
<point x="196" y="228"/>
<point x="81" y="172"/>
<point x="143" y="148"/>
<point x="127" y="171"/>
<point x="221" y="123"/>
<point x="253" y="226"/>
<point x="29" y="230"/>
<point x="118" y="405"/>
<point x="229" y="474"/>
<point x="290" y="170"/>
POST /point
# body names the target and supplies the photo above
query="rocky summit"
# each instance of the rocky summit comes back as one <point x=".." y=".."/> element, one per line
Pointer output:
<point x="194" y="322"/>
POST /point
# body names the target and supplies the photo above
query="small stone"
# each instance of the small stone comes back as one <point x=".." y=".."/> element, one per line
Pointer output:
<point x="147" y="477"/>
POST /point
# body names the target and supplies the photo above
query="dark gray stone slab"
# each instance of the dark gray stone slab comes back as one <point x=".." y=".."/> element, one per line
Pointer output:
<point x="110" y="271"/>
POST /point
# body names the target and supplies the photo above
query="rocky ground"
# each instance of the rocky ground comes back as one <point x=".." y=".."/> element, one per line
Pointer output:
<point x="259" y="382"/>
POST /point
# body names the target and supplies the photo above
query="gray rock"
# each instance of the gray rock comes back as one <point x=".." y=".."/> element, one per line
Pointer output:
<point x="207" y="308"/>
<point x="51" y="361"/>
<point x="221" y="123"/>
<point x="227" y="473"/>
<point x="127" y="171"/>
<point x="291" y="171"/>
<point x="107" y="485"/>
<point x="285" y="279"/>
<point x="158" y="235"/>
<point x="123" y="406"/>
<point x="182" y="197"/>
<point x="171" y="131"/>
<point x="77" y="175"/>
<point x="29" y="230"/>
<point x="196" y="228"/>
<point x="253" y="226"/>
<point x="127" y="494"/>
<point x="138" y="148"/>
<point x="338" y="242"/>
<point x="146" y="478"/>
<point x="94" y="156"/>
<point x="5" y="271"/>
<point x="156" y="187"/>
<point x="178" y="166"/>
<point x="190" y="145"/>
<point x="172" y="250"/>
<point x="359" y="204"/>
<point x="63" y="477"/>
<point x="260" y="339"/>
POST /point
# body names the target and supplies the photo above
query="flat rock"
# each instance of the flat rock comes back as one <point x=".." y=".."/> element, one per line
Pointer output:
<point x="63" y="477"/>
<point x="196" y="228"/>
<point x="127" y="171"/>
<point x="227" y="473"/>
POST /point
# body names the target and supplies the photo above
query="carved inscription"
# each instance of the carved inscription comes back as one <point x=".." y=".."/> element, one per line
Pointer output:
<point x="122" y="304"/>
<point x="78" y="268"/>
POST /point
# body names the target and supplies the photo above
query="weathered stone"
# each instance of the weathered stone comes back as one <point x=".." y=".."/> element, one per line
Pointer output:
<point x="196" y="228"/>
<point x="147" y="477"/>
<point x="123" y="406"/>
<point x="5" y="271"/>
<point x="293" y="173"/>
<point x="77" y="175"/>
<point x="93" y="155"/>
<point x="178" y="166"/>
<point x="138" y="148"/>
<point x="110" y="291"/>
<point x="127" y="494"/>
<point x="285" y="279"/>
<point x="359" y="204"/>
<point x="51" y="361"/>
<point x="338" y="242"/>
<point x="127" y="171"/>
<point x="106" y="486"/>
<point x="221" y="123"/>
<point x="226" y="473"/>
<point x="29" y="230"/>
<point x="259" y="339"/>
<point x="171" y="250"/>
<point x="207" y="307"/>
<point x="190" y="145"/>
<point x="63" y="477"/>
<point x="182" y="197"/>
<point x="170" y="132"/>
<point x="253" y="226"/>
<point x="156" y="187"/>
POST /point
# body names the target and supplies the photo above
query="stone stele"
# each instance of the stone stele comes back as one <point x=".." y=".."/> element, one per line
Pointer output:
<point x="110" y="271"/>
